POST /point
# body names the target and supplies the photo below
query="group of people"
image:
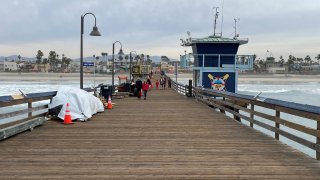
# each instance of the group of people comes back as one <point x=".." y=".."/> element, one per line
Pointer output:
<point x="163" y="82"/>
<point x="146" y="85"/>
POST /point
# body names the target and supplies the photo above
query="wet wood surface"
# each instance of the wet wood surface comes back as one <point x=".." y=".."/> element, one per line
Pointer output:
<point x="167" y="136"/>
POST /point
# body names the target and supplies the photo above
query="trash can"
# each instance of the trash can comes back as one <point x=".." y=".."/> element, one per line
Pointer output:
<point x="106" y="91"/>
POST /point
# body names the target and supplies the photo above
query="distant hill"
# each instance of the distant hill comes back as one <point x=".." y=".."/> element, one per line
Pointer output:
<point x="15" y="57"/>
<point x="155" y="59"/>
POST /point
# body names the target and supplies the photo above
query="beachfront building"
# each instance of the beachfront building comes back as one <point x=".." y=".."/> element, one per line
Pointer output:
<point x="41" y="68"/>
<point x="277" y="70"/>
<point x="184" y="61"/>
<point x="10" y="66"/>
<point x="164" y="66"/>
<point x="1" y="65"/>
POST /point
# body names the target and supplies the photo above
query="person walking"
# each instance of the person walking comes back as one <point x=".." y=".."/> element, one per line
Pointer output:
<point x="149" y="83"/>
<point x="169" y="83"/>
<point x="157" y="84"/>
<point x="145" y="88"/>
<point x="139" y="87"/>
<point x="161" y="82"/>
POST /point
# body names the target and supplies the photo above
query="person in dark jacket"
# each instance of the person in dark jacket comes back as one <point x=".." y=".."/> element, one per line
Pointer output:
<point x="149" y="82"/>
<point x="139" y="87"/>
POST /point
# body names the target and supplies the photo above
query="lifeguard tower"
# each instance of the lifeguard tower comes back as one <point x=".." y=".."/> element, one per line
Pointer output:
<point x="216" y="63"/>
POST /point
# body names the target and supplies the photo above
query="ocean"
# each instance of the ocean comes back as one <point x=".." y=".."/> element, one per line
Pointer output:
<point x="304" y="93"/>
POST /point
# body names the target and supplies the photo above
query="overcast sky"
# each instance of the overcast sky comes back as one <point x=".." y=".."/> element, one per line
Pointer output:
<point x="154" y="27"/>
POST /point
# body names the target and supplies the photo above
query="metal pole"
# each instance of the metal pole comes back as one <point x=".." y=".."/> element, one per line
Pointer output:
<point x="130" y="67"/>
<point x="81" y="54"/>
<point x="176" y="71"/>
<point x="113" y="67"/>
<point x="94" y="32"/>
<point x="185" y="56"/>
<point x="94" y="72"/>
<point x="131" y="58"/>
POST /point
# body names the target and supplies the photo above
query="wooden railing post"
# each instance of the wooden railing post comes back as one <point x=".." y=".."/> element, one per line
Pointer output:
<point x="190" y="88"/>
<point x="252" y="115"/>
<point x="237" y="111"/>
<point x="29" y="107"/>
<point x="186" y="87"/>
<point x="318" y="141"/>
<point x="276" y="135"/>
<point x="221" y="110"/>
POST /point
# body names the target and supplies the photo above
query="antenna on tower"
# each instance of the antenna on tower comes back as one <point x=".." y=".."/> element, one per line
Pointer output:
<point x="216" y="15"/>
<point x="222" y="17"/>
<point x="235" y="28"/>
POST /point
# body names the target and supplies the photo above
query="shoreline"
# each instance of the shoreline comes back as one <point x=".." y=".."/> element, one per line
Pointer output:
<point x="243" y="78"/>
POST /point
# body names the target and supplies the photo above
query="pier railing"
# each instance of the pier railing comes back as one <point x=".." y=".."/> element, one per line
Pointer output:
<point x="18" y="114"/>
<point x="274" y="115"/>
<point x="180" y="88"/>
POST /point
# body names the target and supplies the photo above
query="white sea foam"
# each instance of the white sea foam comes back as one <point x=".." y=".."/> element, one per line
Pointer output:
<point x="265" y="88"/>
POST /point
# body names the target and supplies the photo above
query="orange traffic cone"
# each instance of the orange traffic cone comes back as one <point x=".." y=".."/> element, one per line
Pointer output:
<point x="109" y="103"/>
<point x="67" y="116"/>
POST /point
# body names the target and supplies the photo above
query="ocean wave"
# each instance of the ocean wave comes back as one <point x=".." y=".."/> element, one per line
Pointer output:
<point x="278" y="89"/>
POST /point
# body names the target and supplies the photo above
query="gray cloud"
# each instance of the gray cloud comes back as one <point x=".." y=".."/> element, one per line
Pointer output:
<point x="153" y="25"/>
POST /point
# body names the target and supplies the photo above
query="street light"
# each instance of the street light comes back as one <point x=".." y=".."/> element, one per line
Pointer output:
<point x="120" y="54"/>
<point x="185" y="56"/>
<point x="105" y="58"/>
<point x="131" y="63"/>
<point x="94" y="32"/>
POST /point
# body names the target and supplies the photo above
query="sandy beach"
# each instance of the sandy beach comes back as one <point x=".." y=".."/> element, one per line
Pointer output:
<point x="243" y="78"/>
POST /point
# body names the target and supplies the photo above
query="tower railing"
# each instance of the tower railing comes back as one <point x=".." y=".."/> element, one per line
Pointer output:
<point x="222" y="61"/>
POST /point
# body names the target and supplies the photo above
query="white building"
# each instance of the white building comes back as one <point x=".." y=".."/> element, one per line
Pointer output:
<point x="1" y="65"/>
<point x="277" y="70"/>
<point x="10" y="66"/>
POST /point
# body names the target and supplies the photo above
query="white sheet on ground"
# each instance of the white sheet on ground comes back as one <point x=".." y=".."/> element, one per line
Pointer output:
<point x="82" y="104"/>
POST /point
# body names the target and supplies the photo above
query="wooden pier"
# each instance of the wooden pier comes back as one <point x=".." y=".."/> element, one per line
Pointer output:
<point x="167" y="136"/>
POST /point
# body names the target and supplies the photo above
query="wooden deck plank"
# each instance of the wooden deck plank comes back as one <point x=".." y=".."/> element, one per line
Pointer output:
<point x="167" y="136"/>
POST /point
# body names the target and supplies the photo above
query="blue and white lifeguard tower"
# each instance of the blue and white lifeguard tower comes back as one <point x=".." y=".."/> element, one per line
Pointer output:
<point x="216" y="63"/>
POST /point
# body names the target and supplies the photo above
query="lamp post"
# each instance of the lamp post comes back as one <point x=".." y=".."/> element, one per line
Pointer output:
<point x="120" y="53"/>
<point x="185" y="56"/>
<point x="94" y="32"/>
<point x="94" y="71"/>
<point x="105" y="59"/>
<point x="131" y="63"/>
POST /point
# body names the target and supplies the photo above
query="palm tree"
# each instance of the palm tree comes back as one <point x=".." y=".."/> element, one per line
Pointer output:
<point x="45" y="61"/>
<point x="65" y="62"/>
<point x="149" y="61"/>
<point x="126" y="58"/>
<point x="142" y="58"/>
<point x="254" y="58"/>
<point x="281" y="61"/>
<point x="137" y="58"/>
<point x="318" y="58"/>
<point x="39" y="58"/>
<point x="307" y="60"/>
<point x="52" y="58"/>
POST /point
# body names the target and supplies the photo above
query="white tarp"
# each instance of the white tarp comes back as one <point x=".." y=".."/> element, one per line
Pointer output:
<point x="82" y="104"/>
